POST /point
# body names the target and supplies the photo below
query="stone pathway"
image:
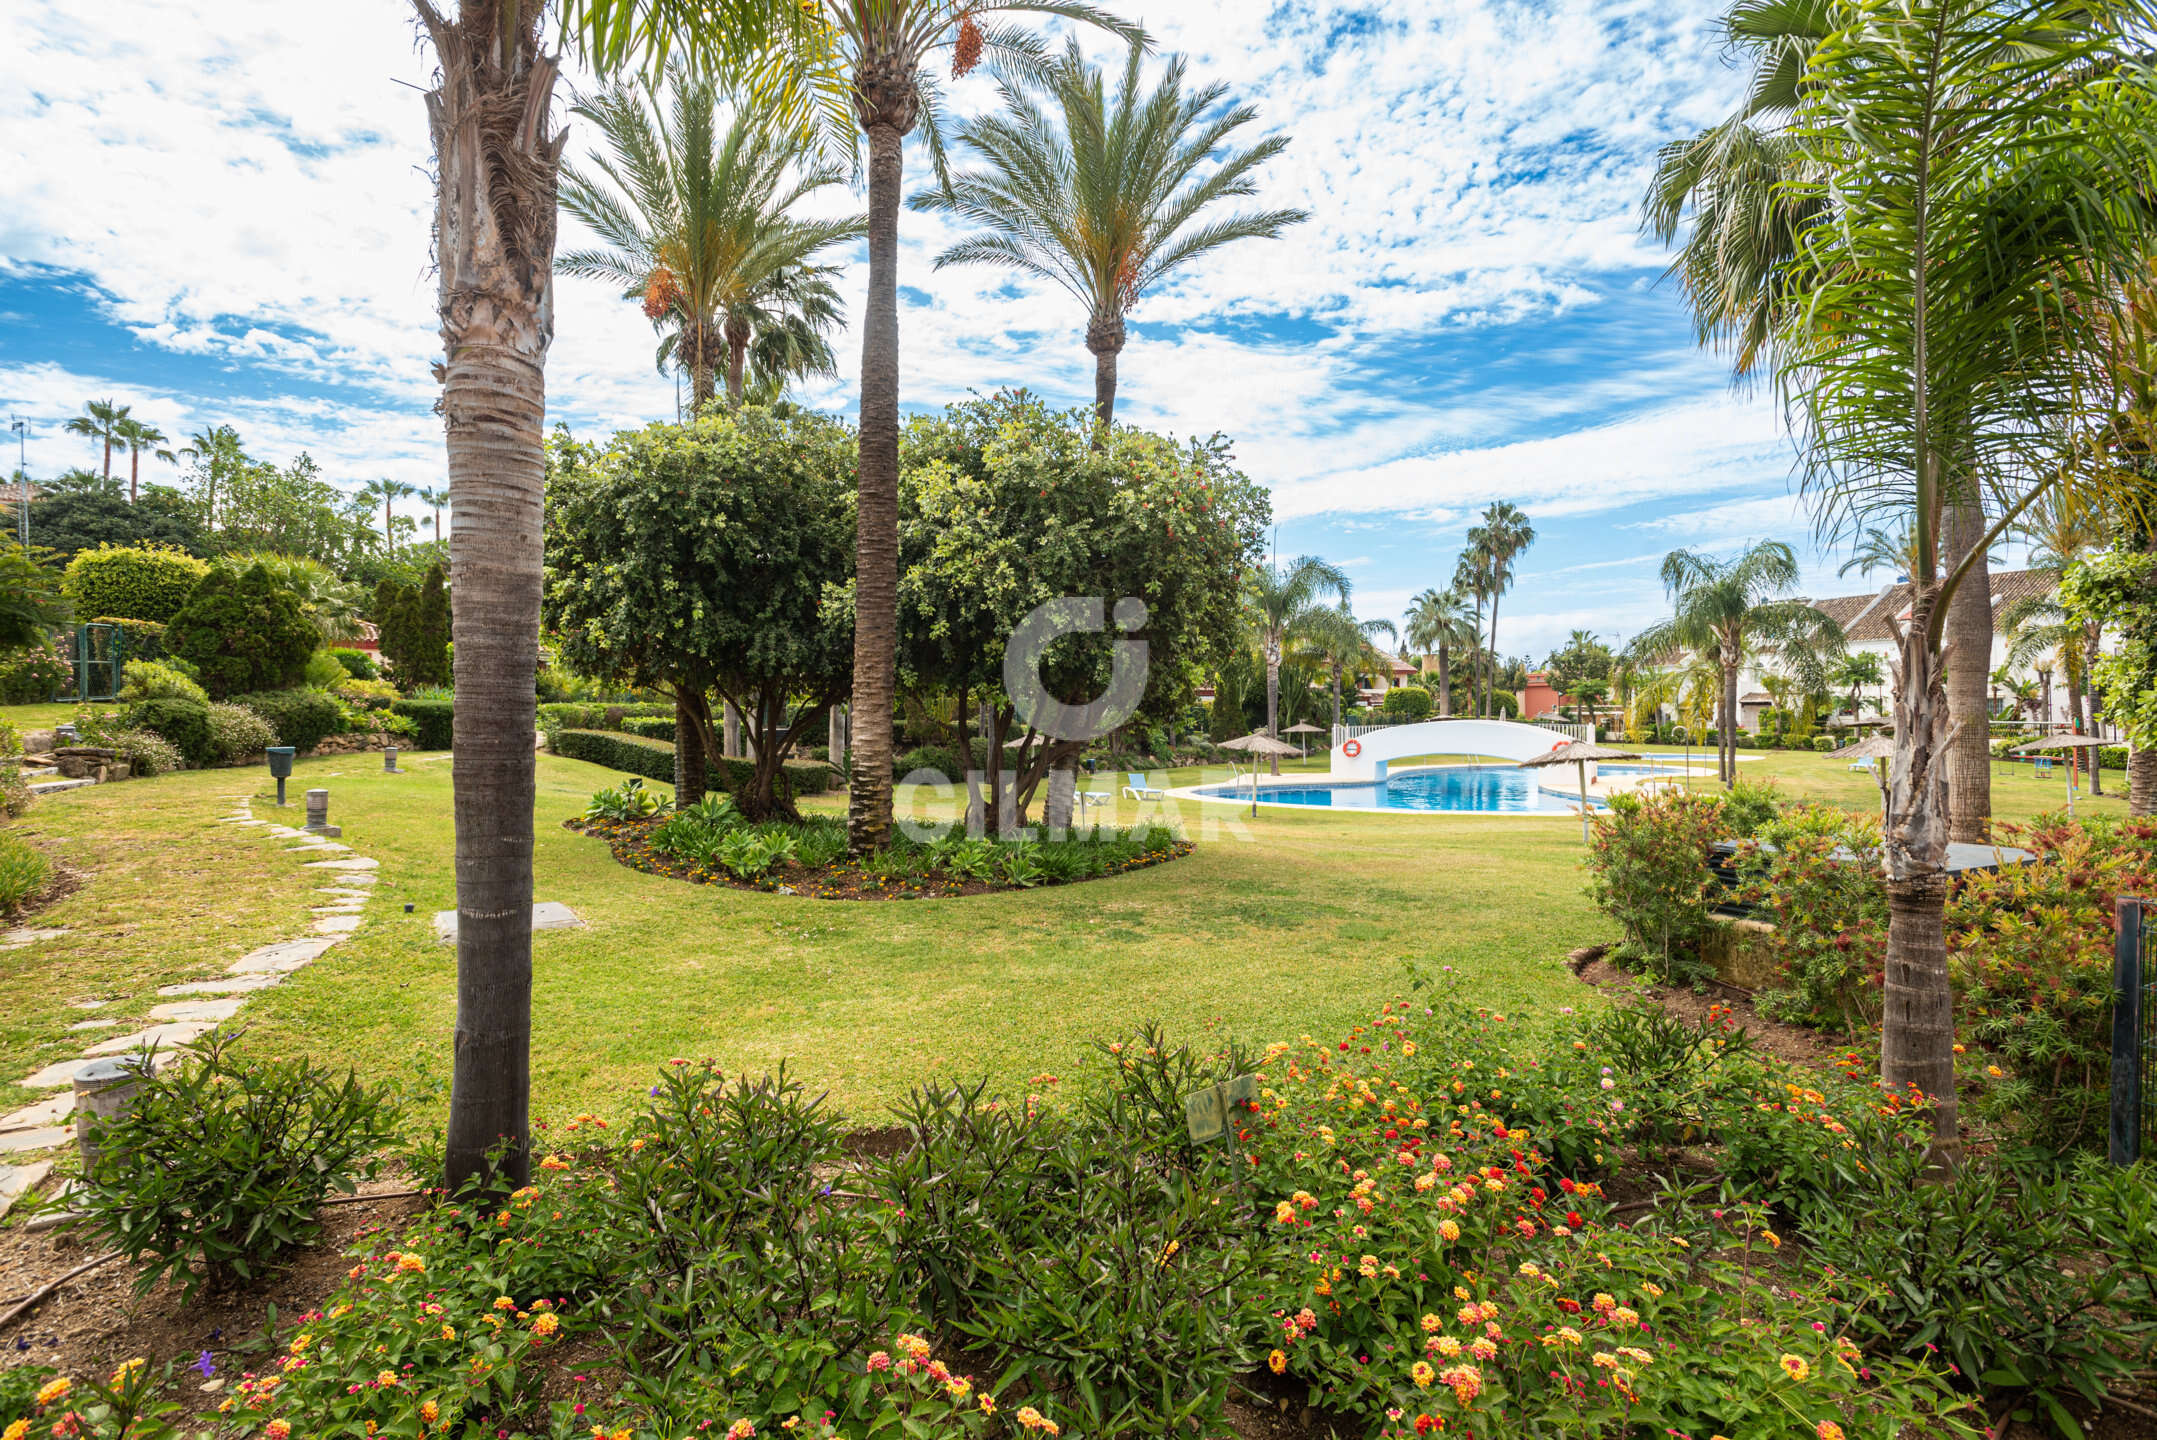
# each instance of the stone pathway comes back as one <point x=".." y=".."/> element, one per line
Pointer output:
<point x="193" y="1008"/>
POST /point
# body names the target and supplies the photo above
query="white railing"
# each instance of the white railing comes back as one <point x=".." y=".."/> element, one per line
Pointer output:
<point x="1566" y="728"/>
<point x="1581" y="731"/>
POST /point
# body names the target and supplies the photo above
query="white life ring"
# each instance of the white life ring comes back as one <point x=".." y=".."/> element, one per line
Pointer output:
<point x="1351" y="748"/>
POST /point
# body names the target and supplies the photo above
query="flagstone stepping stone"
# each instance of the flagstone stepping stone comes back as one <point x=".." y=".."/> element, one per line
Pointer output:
<point x="546" y="915"/>
<point x="40" y="1115"/>
<point x="319" y="845"/>
<point x="12" y="1141"/>
<point x="178" y="1032"/>
<point x="89" y="1004"/>
<point x="59" y="1073"/>
<point x="282" y="958"/>
<point x="344" y="907"/>
<point x="212" y="1010"/>
<point x="17" y="1181"/>
<point x="93" y="1024"/>
<point x="341" y="890"/>
<point x="356" y="862"/>
<point x="338" y="924"/>
<point x="287" y="832"/>
<point x="17" y="938"/>
<point x="230" y="984"/>
<point x="49" y="787"/>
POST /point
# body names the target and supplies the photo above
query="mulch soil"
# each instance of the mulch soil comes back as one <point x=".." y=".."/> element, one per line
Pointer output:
<point x="845" y="879"/>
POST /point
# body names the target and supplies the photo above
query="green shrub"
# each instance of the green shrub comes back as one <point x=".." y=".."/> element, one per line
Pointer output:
<point x="358" y="664"/>
<point x="368" y="694"/>
<point x="146" y="752"/>
<point x="220" y="1164"/>
<point x="654" y="760"/>
<point x="1830" y="915"/>
<point x="324" y="671"/>
<point x="1750" y="804"/>
<point x="940" y="758"/>
<point x="571" y="715"/>
<point x="1823" y="743"/>
<point x="149" y="680"/>
<point x="14" y="791"/>
<point x="1648" y="870"/>
<point x="183" y="724"/>
<point x="145" y="639"/>
<point x="23" y="871"/>
<point x="1406" y="702"/>
<point x="36" y="675"/>
<point x="237" y="733"/>
<point x="300" y="718"/>
<point x="651" y="727"/>
<point x="243" y="633"/>
<point x="147" y="582"/>
<point x="434" y="721"/>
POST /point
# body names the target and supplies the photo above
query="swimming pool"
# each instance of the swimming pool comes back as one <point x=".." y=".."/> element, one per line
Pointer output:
<point x="1464" y="789"/>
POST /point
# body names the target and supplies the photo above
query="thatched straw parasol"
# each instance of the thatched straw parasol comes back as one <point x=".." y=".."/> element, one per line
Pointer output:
<point x="1257" y="743"/>
<point x="2067" y="742"/>
<point x="1876" y="748"/>
<point x="1579" y="752"/>
<point x="1303" y="727"/>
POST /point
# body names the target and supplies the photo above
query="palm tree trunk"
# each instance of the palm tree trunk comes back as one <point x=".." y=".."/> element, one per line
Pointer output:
<point x="876" y="542"/>
<point x="1273" y="692"/>
<point x="2090" y="712"/>
<point x="1726" y="754"/>
<point x="108" y="456"/>
<point x="1969" y="664"/>
<point x="134" y="474"/>
<point x="1917" y="1033"/>
<point x="1336" y="696"/>
<point x="1445" y="685"/>
<point x="1104" y="337"/>
<point x="2142" y="781"/>
<point x="1475" y="663"/>
<point x="1490" y="691"/>
<point x="737" y="348"/>
<point x="495" y="165"/>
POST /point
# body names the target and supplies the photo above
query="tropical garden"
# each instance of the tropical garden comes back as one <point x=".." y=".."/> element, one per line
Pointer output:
<point x="899" y="1069"/>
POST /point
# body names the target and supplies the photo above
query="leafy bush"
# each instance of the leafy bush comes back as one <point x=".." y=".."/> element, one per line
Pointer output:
<point x="144" y="639"/>
<point x="147" y="582"/>
<point x="626" y="801"/>
<point x="237" y="733"/>
<point x="1648" y="869"/>
<point x="24" y="870"/>
<point x="243" y="634"/>
<point x="146" y="752"/>
<point x="940" y="758"/>
<point x="300" y="718"/>
<point x="148" y="680"/>
<point x="435" y="723"/>
<point x="183" y="724"/>
<point x="1750" y="804"/>
<point x="1406" y="702"/>
<point x="35" y="675"/>
<point x="651" y="727"/>
<point x="1830" y="914"/>
<point x="358" y="664"/>
<point x="654" y="760"/>
<point x="368" y="694"/>
<point x="218" y="1166"/>
<point x="324" y="671"/>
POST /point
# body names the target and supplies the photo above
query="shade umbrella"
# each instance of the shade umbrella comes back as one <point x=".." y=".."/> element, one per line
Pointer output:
<point x="1579" y="752"/>
<point x="1876" y="749"/>
<point x="2065" y="742"/>
<point x="1303" y="727"/>
<point x="1257" y="743"/>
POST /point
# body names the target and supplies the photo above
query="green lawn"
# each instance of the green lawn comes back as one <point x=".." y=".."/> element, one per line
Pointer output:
<point x="38" y="717"/>
<point x="1286" y="924"/>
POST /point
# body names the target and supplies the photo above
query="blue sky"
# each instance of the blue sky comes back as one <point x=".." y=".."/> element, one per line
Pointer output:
<point x="219" y="214"/>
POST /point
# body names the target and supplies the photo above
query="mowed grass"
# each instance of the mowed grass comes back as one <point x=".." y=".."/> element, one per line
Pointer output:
<point x="1289" y="923"/>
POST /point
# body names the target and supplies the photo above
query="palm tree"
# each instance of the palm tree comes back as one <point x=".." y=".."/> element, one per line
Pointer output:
<point x="791" y="317"/>
<point x="215" y="451"/>
<point x="1855" y="671"/>
<point x="1102" y="197"/>
<point x="1506" y="535"/>
<point x="388" y="492"/>
<point x="695" y="220"/>
<point x="1730" y="609"/>
<point x="32" y="603"/>
<point x="1883" y="547"/>
<point x="1471" y="576"/>
<point x="434" y="499"/>
<point x="1284" y="600"/>
<point x="332" y="604"/>
<point x="101" y="420"/>
<point x="1341" y="643"/>
<point x="865" y="63"/>
<point x="138" y="436"/>
<point x="1439" y="620"/>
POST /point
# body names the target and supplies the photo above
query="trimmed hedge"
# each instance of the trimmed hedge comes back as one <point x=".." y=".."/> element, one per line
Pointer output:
<point x="654" y="760"/>
<point x="359" y="665"/>
<point x="301" y="718"/>
<point x="596" y="715"/>
<point x="182" y="724"/>
<point x="651" y="727"/>
<point x="436" y="720"/>
<point x="147" y="582"/>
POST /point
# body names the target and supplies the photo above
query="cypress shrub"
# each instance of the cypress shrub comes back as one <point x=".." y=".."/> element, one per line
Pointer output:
<point x="243" y="633"/>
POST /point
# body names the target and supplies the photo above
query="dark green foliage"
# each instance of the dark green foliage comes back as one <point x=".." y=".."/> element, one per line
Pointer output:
<point x="301" y="718"/>
<point x="183" y="724"/>
<point x="32" y="604"/>
<point x="23" y="871"/>
<point x="85" y="519"/>
<point x="219" y="1166"/>
<point x="358" y="663"/>
<point x="243" y="633"/>
<point x="134" y="583"/>
<point x="414" y="621"/>
<point x="654" y="760"/>
<point x="434" y="719"/>
<point x="1406" y="702"/>
<point x="145" y="638"/>
<point x="651" y="727"/>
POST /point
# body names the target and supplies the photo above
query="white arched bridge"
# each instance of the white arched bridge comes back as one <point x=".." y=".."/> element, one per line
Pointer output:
<point x="1362" y="752"/>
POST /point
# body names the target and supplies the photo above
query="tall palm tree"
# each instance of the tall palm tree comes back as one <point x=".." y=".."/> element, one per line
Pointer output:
<point x="138" y="436"/>
<point x="101" y="420"/>
<point x="791" y="318"/>
<point x="1856" y="670"/>
<point x="1105" y="197"/>
<point x="866" y="62"/>
<point x="1471" y="577"/>
<point x="1506" y="536"/>
<point x="434" y="498"/>
<point x="1733" y="609"/>
<point x="1341" y="643"/>
<point x="1882" y="547"/>
<point x="1283" y="601"/>
<point x="695" y="218"/>
<point x="388" y="492"/>
<point x="1438" y="620"/>
<point x="215" y="452"/>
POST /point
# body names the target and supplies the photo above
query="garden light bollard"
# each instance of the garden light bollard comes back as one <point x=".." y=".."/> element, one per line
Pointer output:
<point x="318" y="814"/>
<point x="389" y="760"/>
<point x="2134" y="1036"/>
<point x="104" y="1090"/>
<point x="280" y="757"/>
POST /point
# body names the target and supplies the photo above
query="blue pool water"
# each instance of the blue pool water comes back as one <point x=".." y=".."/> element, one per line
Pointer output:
<point x="1484" y="789"/>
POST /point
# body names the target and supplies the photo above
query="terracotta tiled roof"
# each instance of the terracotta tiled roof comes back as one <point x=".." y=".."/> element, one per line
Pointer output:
<point x="1864" y="617"/>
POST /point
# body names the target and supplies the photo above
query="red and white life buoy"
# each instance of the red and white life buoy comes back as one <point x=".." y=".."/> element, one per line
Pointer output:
<point x="1351" y="748"/>
<point x="1561" y="744"/>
